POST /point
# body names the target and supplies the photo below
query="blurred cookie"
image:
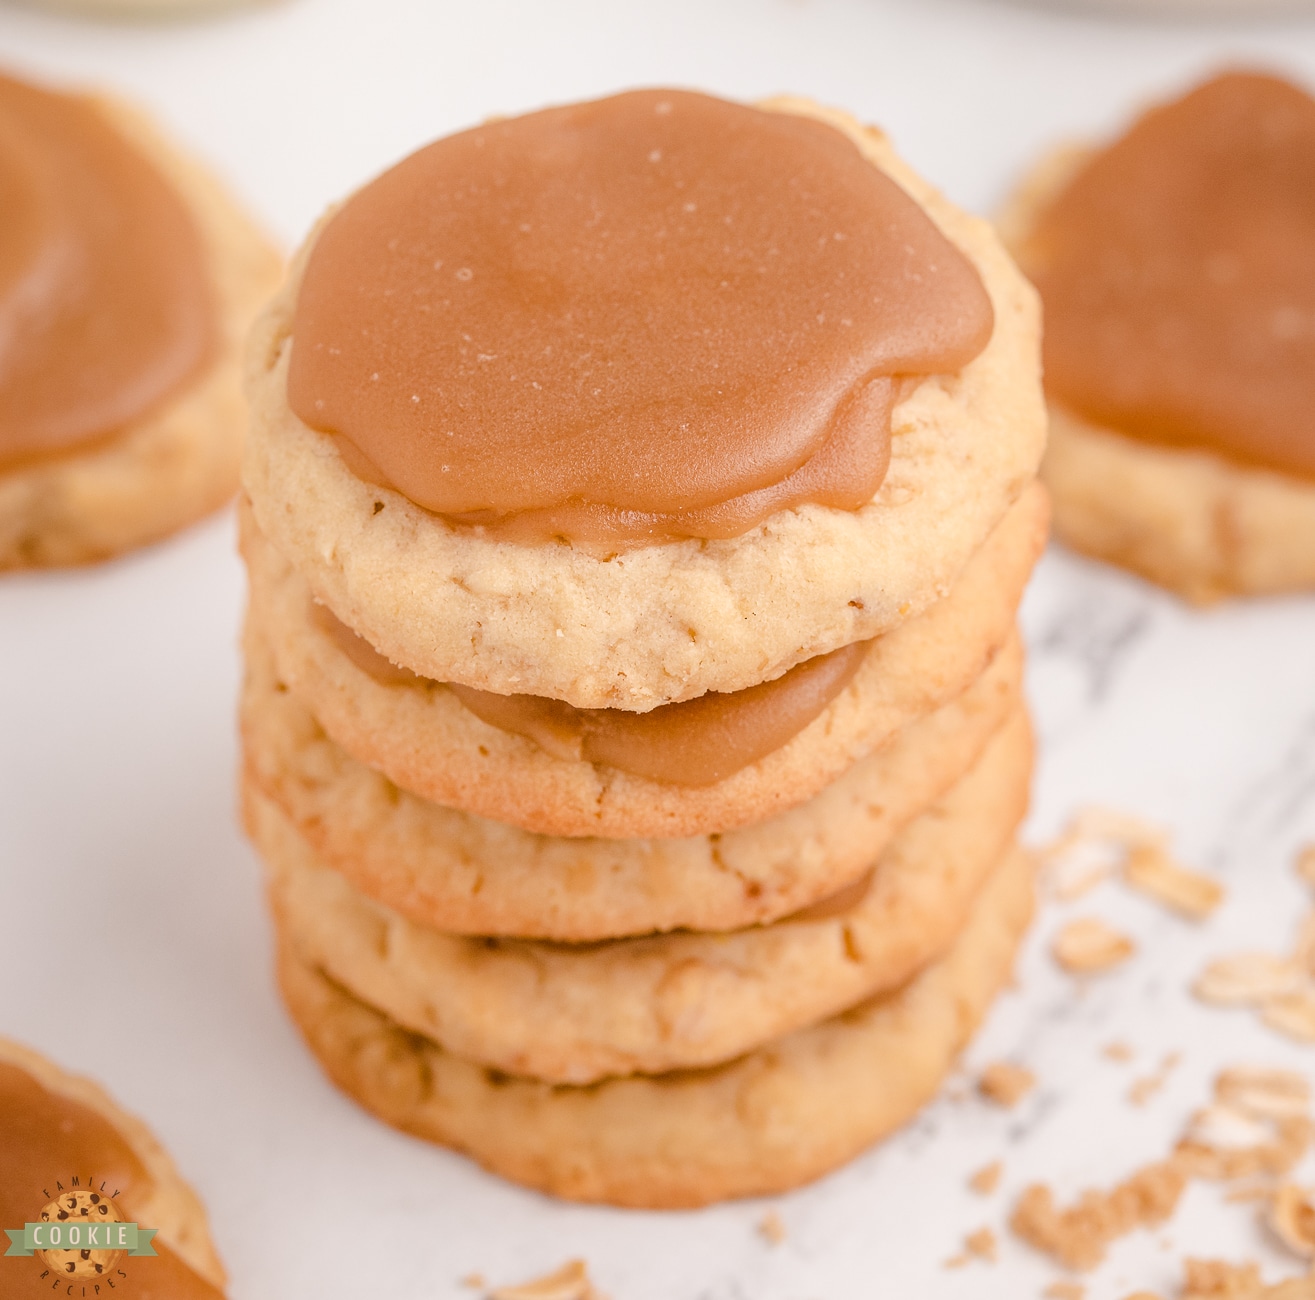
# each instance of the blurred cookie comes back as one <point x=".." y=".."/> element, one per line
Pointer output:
<point x="446" y="592"/>
<point x="122" y="319"/>
<point x="1177" y="267"/>
<point x="57" y="1130"/>
<point x="426" y="739"/>
<point x="576" y="1014"/>
<point x="776" y="1118"/>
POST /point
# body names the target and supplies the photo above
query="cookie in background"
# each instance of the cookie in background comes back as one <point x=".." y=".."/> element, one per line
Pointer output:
<point x="128" y="279"/>
<point x="1177" y="271"/>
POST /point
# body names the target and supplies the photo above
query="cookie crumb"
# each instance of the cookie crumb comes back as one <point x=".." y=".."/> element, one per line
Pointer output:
<point x="981" y="1244"/>
<point x="1117" y="1051"/>
<point x="1150" y="870"/>
<point x="1292" y="1217"/>
<point x="1079" y="1236"/>
<point x="1142" y="1090"/>
<point x="570" y="1282"/>
<point x="1089" y="945"/>
<point x="1064" y="1290"/>
<point x="1005" y="1084"/>
<point x="771" y="1228"/>
<point x="1213" y="1279"/>
<point x="1247" y="979"/>
<point x="475" y="1281"/>
<point x="987" y="1178"/>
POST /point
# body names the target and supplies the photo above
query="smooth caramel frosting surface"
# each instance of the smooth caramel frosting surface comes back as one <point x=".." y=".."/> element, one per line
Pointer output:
<point x="695" y="743"/>
<point x="46" y="1140"/>
<point x="654" y="315"/>
<point x="1177" y="270"/>
<point x="106" y="306"/>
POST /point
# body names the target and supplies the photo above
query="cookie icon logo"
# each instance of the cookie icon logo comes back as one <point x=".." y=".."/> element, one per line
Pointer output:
<point x="73" y="1216"/>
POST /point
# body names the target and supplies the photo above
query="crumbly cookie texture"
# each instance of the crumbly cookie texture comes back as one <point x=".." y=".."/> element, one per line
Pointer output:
<point x="569" y="1014"/>
<point x="423" y="739"/>
<point x="1197" y="522"/>
<point x="670" y="622"/>
<point x="182" y="461"/>
<point x="469" y="875"/>
<point x="779" y="1117"/>
<point x="168" y="1204"/>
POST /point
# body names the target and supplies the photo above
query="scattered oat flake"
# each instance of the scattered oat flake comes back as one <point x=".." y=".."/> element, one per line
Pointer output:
<point x="1097" y="823"/>
<point x="1117" y="1052"/>
<point x="1292" y="1216"/>
<point x="1005" y="1084"/>
<point x="1247" y="979"/>
<point x="987" y="1178"/>
<point x="1249" y="1192"/>
<point x="1293" y="1015"/>
<point x="1216" y="1280"/>
<point x="1306" y="864"/>
<point x="771" y="1228"/>
<point x="570" y="1282"/>
<point x="1079" y="1236"/>
<point x="1151" y="870"/>
<point x="1065" y="1290"/>
<point x="1089" y="945"/>
<point x="1144" y="1295"/>
<point x="1262" y="1091"/>
<point x="1304" y="951"/>
<point x="475" y="1281"/>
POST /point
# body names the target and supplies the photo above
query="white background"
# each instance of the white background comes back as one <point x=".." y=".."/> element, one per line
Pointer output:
<point x="122" y="869"/>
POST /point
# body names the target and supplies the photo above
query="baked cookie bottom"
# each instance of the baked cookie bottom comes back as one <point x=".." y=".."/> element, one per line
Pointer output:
<point x="180" y="462"/>
<point x="424" y="740"/>
<point x="1199" y="523"/>
<point x="577" y="1014"/>
<point x="669" y="622"/>
<point x="465" y="874"/>
<point x="168" y="1203"/>
<point x="778" y="1117"/>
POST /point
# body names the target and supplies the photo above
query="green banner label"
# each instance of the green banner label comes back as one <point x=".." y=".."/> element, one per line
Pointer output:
<point x="80" y="1236"/>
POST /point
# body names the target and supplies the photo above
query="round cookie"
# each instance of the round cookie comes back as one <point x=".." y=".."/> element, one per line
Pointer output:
<point x="779" y="1117"/>
<point x="1193" y="520"/>
<point x="425" y="741"/>
<point x="464" y="874"/>
<point x="158" y="1199"/>
<point x="575" y="1015"/>
<point x="669" y="622"/>
<point x="181" y="461"/>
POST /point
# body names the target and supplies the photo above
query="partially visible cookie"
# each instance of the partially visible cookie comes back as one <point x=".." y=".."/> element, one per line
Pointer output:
<point x="465" y="874"/>
<point x="425" y="741"/>
<point x="781" y="1116"/>
<point x="1200" y="486"/>
<point x="58" y="1129"/>
<point x="179" y="460"/>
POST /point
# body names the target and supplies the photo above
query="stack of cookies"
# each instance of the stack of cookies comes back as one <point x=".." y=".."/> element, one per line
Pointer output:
<point x="640" y="496"/>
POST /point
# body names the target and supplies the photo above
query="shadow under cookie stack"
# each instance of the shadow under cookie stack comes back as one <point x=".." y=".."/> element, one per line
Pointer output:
<point x="632" y="728"/>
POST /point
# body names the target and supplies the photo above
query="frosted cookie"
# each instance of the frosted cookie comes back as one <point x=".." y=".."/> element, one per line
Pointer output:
<point x="576" y="1014"/>
<point x="862" y="355"/>
<point x="71" y="1156"/>
<point x="129" y="283"/>
<point x="1177" y="268"/>
<point x="707" y="765"/>
<point x="464" y="874"/>
<point x="781" y="1116"/>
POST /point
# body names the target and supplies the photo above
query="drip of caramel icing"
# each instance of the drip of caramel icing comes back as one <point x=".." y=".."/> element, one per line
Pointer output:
<point x="106" y="306"/>
<point x="1177" y="271"/>
<point x="651" y="316"/>
<point x="695" y="743"/>
<point x="45" y="1139"/>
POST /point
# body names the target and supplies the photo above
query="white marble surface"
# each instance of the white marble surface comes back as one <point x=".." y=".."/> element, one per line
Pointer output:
<point x="120" y="862"/>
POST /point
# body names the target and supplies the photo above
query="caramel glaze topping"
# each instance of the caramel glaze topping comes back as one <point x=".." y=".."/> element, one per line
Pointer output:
<point x="1178" y="275"/>
<point x="46" y="1138"/>
<point x="652" y="316"/>
<point x="106" y="307"/>
<point x="695" y="743"/>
